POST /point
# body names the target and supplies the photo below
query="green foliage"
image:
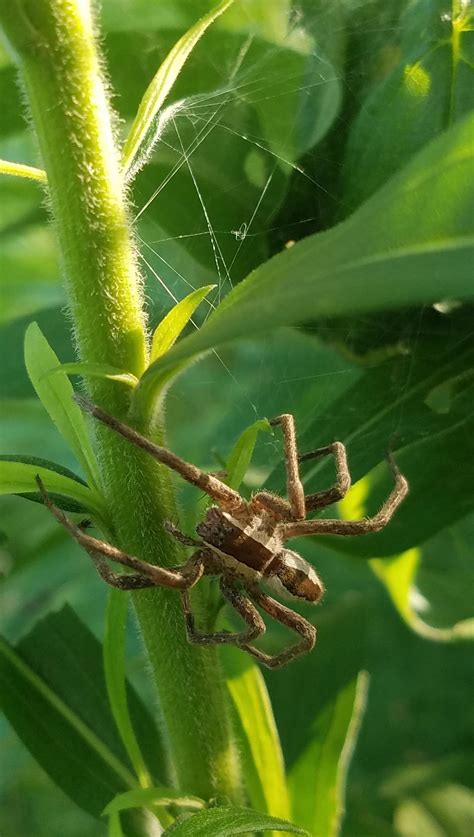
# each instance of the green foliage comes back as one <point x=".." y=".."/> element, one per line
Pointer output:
<point x="156" y="796"/>
<point x="53" y="692"/>
<point x="262" y="755"/>
<point x="17" y="170"/>
<point x="18" y="476"/>
<point x="139" y="144"/>
<point x="317" y="778"/>
<point x="220" y="822"/>
<point x="55" y="394"/>
<point x="391" y="248"/>
<point x="168" y="330"/>
<point x="425" y="88"/>
<point x="114" y="670"/>
<point x="241" y="454"/>
<point x="96" y="370"/>
<point x="314" y="165"/>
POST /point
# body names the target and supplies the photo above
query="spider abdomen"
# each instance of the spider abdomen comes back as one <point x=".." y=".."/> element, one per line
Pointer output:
<point x="297" y="577"/>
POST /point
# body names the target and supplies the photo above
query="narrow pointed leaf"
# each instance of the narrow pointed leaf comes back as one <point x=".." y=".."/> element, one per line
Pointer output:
<point x="261" y="749"/>
<point x="95" y="370"/>
<point x="224" y="822"/>
<point x="152" y="797"/>
<point x="241" y="454"/>
<point x="42" y="463"/>
<point x="317" y="780"/>
<point x="395" y="250"/>
<point x="115" y="827"/>
<point x="171" y="326"/>
<point x="139" y="143"/>
<point x="57" y="735"/>
<point x="56" y="394"/>
<point x="114" y="667"/>
<point x="20" y="170"/>
<point x="53" y="693"/>
<point x="18" y="476"/>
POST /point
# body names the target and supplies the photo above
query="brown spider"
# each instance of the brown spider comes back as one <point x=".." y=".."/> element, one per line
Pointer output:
<point x="242" y="542"/>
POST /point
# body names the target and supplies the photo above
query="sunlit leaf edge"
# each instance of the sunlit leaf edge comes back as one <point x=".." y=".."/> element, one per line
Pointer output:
<point x="114" y="670"/>
<point x="152" y="797"/>
<point x="136" y="148"/>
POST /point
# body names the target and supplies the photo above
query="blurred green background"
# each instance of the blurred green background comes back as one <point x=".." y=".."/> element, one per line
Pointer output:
<point x="292" y="115"/>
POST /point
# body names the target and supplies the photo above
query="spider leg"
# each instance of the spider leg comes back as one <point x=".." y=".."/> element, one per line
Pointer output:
<point x="343" y="477"/>
<point x="122" y="581"/>
<point x="178" y="535"/>
<point x="292" y="620"/>
<point x="295" y="508"/>
<point x="178" y="577"/>
<point x="213" y="486"/>
<point x="243" y="606"/>
<point x="353" y="527"/>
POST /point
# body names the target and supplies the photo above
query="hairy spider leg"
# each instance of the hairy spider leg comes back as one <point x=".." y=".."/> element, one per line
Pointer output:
<point x="287" y="617"/>
<point x="343" y="477"/>
<point x="178" y="535"/>
<point x="240" y="603"/>
<point x="178" y="577"/>
<point x="299" y="528"/>
<point x="294" y="508"/>
<point x="210" y="484"/>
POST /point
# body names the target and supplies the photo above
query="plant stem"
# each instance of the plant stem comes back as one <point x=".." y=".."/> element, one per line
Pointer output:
<point x="57" y="53"/>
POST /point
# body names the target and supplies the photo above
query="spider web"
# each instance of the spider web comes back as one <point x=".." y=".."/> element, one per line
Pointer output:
<point x="200" y="224"/>
<point x="229" y="231"/>
<point x="231" y="183"/>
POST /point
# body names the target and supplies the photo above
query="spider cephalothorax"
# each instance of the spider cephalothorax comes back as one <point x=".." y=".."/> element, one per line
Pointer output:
<point x="242" y="542"/>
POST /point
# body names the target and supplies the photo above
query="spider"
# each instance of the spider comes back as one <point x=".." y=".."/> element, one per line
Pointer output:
<point x="241" y="541"/>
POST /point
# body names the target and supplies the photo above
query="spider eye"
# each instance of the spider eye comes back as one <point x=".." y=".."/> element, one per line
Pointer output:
<point x="299" y="578"/>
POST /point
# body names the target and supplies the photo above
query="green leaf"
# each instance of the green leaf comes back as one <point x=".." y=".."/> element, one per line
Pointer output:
<point x="431" y="412"/>
<point x="56" y="395"/>
<point x="20" y="170"/>
<point x="394" y="251"/>
<point x="152" y="797"/>
<point x="318" y="778"/>
<point x="18" y="476"/>
<point x="114" y="667"/>
<point x="57" y="735"/>
<point x="224" y="822"/>
<point x="264" y="88"/>
<point x="43" y="463"/>
<point x="428" y="89"/>
<point x="171" y="326"/>
<point x="261" y="750"/>
<point x="339" y="656"/>
<point x="53" y="693"/>
<point x="398" y="575"/>
<point x="115" y="828"/>
<point x="95" y="370"/>
<point x="139" y="143"/>
<point x="415" y="578"/>
<point x="241" y="454"/>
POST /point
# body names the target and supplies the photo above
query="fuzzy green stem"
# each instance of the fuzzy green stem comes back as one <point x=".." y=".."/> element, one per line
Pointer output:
<point x="57" y="53"/>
